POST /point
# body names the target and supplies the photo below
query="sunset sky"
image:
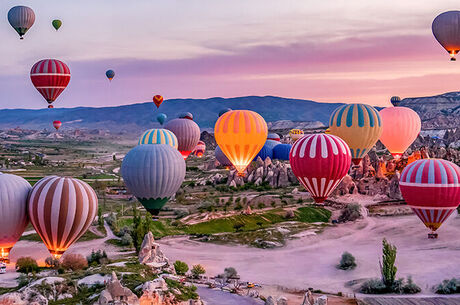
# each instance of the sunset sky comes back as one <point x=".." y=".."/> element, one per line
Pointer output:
<point x="327" y="51"/>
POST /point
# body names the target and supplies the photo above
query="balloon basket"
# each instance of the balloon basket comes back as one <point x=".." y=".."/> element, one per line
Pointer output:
<point x="432" y="235"/>
<point x="453" y="59"/>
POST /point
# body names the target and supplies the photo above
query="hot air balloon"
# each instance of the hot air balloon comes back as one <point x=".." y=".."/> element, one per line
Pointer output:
<point x="157" y="100"/>
<point x="320" y="161"/>
<point x="446" y="30"/>
<point x="13" y="211"/>
<point x="21" y="18"/>
<point x="401" y="126"/>
<point x="57" y="124"/>
<point x="50" y="77"/>
<point x="240" y="134"/>
<point x="273" y="137"/>
<point x="153" y="173"/>
<point x="281" y="151"/>
<point x="187" y="133"/>
<point x="265" y="152"/>
<point x="61" y="209"/>
<point x="327" y="131"/>
<point x="272" y="143"/>
<point x="221" y="157"/>
<point x="224" y="111"/>
<point x="431" y="187"/>
<point x="295" y="134"/>
<point x="199" y="149"/>
<point x="161" y="118"/>
<point x="395" y="101"/>
<point x="110" y="74"/>
<point x="56" y="24"/>
<point x="159" y="136"/>
<point x="359" y="125"/>
<point x="185" y="115"/>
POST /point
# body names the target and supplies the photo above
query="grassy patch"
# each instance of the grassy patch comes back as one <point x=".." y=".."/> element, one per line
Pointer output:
<point x="85" y="237"/>
<point x="186" y="292"/>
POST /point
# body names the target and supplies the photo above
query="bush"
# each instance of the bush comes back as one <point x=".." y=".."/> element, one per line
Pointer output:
<point x="289" y="214"/>
<point x="238" y="226"/>
<point x="26" y="265"/>
<point x="411" y="287"/>
<point x="347" y="261"/>
<point x="261" y="205"/>
<point x="126" y="239"/>
<point x="52" y="262"/>
<point x="448" y="287"/>
<point x="230" y="272"/>
<point x="350" y="213"/>
<point x="180" y="267"/>
<point x="197" y="270"/>
<point x="97" y="258"/>
<point x="74" y="262"/>
<point x="238" y="207"/>
<point x="373" y="286"/>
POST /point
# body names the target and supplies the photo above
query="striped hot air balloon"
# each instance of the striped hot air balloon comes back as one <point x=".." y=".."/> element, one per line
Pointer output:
<point x="240" y="134"/>
<point x="185" y="115"/>
<point x="153" y="173"/>
<point x="21" y="18"/>
<point x="401" y="126"/>
<point x="199" y="149"/>
<point x="61" y="209"/>
<point x="159" y="136"/>
<point x="187" y="133"/>
<point x="50" y="77"/>
<point x="431" y="187"/>
<point x="14" y="191"/>
<point x="359" y="125"/>
<point x="320" y="161"/>
<point x="273" y="137"/>
<point x="221" y="157"/>
<point x="395" y="101"/>
<point x="157" y="100"/>
<point x="295" y="134"/>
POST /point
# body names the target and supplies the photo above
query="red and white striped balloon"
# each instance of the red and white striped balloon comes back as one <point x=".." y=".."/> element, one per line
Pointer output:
<point x="50" y="77"/>
<point x="320" y="161"/>
<point x="61" y="209"/>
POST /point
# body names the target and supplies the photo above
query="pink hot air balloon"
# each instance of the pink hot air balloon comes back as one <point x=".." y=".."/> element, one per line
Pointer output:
<point x="320" y="161"/>
<point x="187" y="133"/>
<point x="431" y="187"/>
<point x="401" y="126"/>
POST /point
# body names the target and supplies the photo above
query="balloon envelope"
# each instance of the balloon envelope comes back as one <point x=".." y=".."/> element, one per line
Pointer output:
<point x="273" y="137"/>
<point x="14" y="191"/>
<point x="187" y="133"/>
<point x="401" y="126"/>
<point x="359" y="125"/>
<point x="221" y="157"/>
<point x="431" y="187"/>
<point x="199" y="149"/>
<point x="186" y="115"/>
<point x="61" y="209"/>
<point x="56" y="24"/>
<point x="240" y="134"/>
<point x="395" y="101"/>
<point x="153" y="173"/>
<point x="281" y="151"/>
<point x="320" y="161"/>
<point x="161" y="118"/>
<point x="224" y="111"/>
<point x="158" y="136"/>
<point x="446" y="30"/>
<point x="157" y="100"/>
<point x="57" y="124"/>
<point x="295" y="134"/>
<point x="110" y="74"/>
<point x="21" y="18"/>
<point x="265" y="152"/>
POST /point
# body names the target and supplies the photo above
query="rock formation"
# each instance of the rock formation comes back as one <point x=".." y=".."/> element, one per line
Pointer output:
<point x="115" y="293"/>
<point x="151" y="255"/>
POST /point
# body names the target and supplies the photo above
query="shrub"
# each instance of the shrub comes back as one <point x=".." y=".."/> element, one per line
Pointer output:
<point x="197" y="270"/>
<point x="180" y="267"/>
<point x="97" y="258"/>
<point x="261" y="205"/>
<point x="411" y="287"/>
<point x="387" y="266"/>
<point x="347" y="261"/>
<point x="289" y="214"/>
<point x="373" y="286"/>
<point x="238" y="207"/>
<point x="74" y="262"/>
<point x="350" y="213"/>
<point x="126" y="239"/>
<point x="26" y="265"/>
<point x="448" y="287"/>
<point x="52" y="262"/>
<point x="230" y="272"/>
<point x="238" y="226"/>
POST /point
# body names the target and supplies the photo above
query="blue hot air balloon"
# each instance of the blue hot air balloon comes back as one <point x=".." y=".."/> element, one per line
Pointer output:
<point x="161" y="118"/>
<point x="395" y="100"/>
<point x="224" y="111"/>
<point x="221" y="157"/>
<point x="153" y="173"/>
<point x="265" y="152"/>
<point x="272" y="143"/>
<point x="159" y="136"/>
<point x="110" y="74"/>
<point x="281" y="151"/>
<point x="21" y="19"/>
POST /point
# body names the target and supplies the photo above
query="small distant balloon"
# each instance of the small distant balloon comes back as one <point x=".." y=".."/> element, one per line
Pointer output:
<point x="161" y="118"/>
<point x="395" y="101"/>
<point x="186" y="115"/>
<point x="57" y="124"/>
<point x="446" y="30"/>
<point x="56" y="24"/>
<point x="110" y="74"/>
<point x="21" y="18"/>
<point x="224" y="111"/>
<point x="157" y="100"/>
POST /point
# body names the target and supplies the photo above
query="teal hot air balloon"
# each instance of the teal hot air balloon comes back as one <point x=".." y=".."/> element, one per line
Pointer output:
<point x="21" y="19"/>
<point x="161" y="118"/>
<point x="159" y="136"/>
<point x="110" y="74"/>
<point x="224" y="111"/>
<point x="56" y="24"/>
<point x="153" y="173"/>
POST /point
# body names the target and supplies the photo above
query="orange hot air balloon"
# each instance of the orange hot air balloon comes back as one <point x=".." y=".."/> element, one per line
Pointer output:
<point x="240" y="134"/>
<point x="401" y="126"/>
<point x="158" y="99"/>
<point x="57" y="124"/>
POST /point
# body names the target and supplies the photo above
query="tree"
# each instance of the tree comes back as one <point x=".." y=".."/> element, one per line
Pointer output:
<point x="74" y="262"/>
<point x="238" y="226"/>
<point x="387" y="265"/>
<point x="230" y="272"/>
<point x="52" y="262"/>
<point x="197" y="270"/>
<point x="347" y="261"/>
<point x="100" y="218"/>
<point x="26" y="265"/>
<point x="180" y="267"/>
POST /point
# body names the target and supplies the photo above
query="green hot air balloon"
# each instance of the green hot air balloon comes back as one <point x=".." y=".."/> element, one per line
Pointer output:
<point x="57" y="24"/>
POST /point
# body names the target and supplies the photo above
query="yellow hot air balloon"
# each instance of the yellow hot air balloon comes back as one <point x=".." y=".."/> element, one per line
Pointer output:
<point x="240" y="134"/>
<point x="401" y="126"/>
<point x="327" y="131"/>
<point x="359" y="125"/>
<point x="295" y="134"/>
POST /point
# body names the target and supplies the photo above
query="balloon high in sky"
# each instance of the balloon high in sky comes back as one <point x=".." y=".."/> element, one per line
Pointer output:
<point x="446" y="30"/>
<point x="21" y="18"/>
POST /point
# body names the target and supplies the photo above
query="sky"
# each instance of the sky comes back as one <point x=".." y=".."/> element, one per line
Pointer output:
<point x="327" y="51"/>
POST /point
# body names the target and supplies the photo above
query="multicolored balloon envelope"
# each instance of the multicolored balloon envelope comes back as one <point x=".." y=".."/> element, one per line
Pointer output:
<point x="159" y="136"/>
<point x="187" y="133"/>
<point x="21" y="18"/>
<point x="199" y="149"/>
<point x="110" y="74"/>
<point x="57" y="124"/>
<point x="359" y="125"/>
<point x="240" y="134"/>
<point x="446" y="30"/>
<point x="431" y="187"/>
<point x="157" y="100"/>
<point x="295" y="134"/>
<point x="320" y="161"/>
<point x="273" y="137"/>
<point x="401" y="126"/>
<point x="50" y="77"/>
<point x="61" y="209"/>
<point x="153" y="173"/>
<point x="14" y="191"/>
